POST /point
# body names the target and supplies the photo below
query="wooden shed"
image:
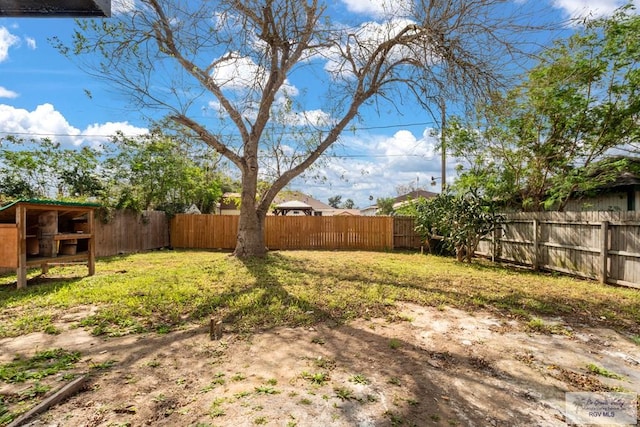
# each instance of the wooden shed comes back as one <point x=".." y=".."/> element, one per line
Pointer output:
<point x="43" y="232"/>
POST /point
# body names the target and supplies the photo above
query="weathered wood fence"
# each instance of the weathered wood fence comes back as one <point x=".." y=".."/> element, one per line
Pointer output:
<point x="128" y="232"/>
<point x="595" y="245"/>
<point x="286" y="232"/>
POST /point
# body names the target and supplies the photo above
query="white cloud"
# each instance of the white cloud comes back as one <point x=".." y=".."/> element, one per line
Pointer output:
<point x="6" y="93"/>
<point x="589" y="8"/>
<point x="376" y="8"/>
<point x="43" y="121"/>
<point x="46" y="122"/>
<point x="383" y="163"/>
<point x="7" y="40"/>
<point x="31" y="42"/>
<point x="366" y="39"/>
<point x="239" y="73"/>
<point x="101" y="132"/>
<point x="242" y="76"/>
<point x="119" y="7"/>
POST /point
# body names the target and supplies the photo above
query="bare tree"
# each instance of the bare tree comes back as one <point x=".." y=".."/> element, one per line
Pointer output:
<point x="237" y="59"/>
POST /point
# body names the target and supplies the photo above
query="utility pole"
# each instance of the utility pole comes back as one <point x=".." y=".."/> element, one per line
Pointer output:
<point x="443" y="146"/>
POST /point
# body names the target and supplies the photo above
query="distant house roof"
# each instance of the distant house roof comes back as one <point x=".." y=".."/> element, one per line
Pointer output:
<point x="291" y="195"/>
<point x="346" y="212"/>
<point x="623" y="173"/>
<point x="415" y="194"/>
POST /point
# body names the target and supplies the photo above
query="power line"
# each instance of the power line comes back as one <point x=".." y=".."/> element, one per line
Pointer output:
<point x="364" y="128"/>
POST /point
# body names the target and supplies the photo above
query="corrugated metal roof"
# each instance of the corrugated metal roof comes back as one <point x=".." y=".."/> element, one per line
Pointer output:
<point x="51" y="203"/>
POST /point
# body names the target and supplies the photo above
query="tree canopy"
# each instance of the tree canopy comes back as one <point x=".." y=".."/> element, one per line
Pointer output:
<point x="542" y="141"/>
<point x="154" y="171"/>
<point x="238" y="60"/>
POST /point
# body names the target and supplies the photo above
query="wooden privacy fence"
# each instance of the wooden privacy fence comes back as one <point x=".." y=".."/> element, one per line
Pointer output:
<point x="286" y="232"/>
<point x="596" y="245"/>
<point x="128" y="232"/>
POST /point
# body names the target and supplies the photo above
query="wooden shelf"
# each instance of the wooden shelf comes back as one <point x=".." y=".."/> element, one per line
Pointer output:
<point x="72" y="236"/>
<point x="60" y="259"/>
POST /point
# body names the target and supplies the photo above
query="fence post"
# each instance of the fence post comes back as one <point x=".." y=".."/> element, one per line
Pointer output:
<point x="604" y="248"/>
<point x="534" y="258"/>
<point x="493" y="244"/>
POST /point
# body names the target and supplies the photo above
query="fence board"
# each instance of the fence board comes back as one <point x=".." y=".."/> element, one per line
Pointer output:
<point x="286" y="232"/>
<point x="404" y="234"/>
<point x="572" y="242"/>
<point x="128" y="232"/>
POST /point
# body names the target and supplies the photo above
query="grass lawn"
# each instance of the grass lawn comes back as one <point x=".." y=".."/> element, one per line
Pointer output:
<point x="160" y="291"/>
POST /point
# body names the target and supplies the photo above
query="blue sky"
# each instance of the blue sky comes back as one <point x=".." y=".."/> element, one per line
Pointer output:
<point x="44" y="94"/>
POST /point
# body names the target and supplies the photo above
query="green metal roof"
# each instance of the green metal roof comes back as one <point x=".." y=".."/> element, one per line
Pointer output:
<point x="51" y="202"/>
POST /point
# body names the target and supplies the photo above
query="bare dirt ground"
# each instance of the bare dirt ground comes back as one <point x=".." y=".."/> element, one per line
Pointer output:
<point x="430" y="366"/>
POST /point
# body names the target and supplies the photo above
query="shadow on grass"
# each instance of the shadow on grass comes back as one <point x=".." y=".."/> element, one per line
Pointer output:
<point x="270" y="299"/>
<point x="599" y="305"/>
<point x="421" y="380"/>
<point x="37" y="285"/>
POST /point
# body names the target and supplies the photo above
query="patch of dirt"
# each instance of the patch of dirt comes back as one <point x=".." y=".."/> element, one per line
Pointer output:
<point x="436" y="367"/>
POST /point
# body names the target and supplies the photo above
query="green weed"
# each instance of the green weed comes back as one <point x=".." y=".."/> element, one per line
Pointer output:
<point x="319" y="378"/>
<point x="266" y="390"/>
<point x="216" y="410"/>
<point x="598" y="370"/>
<point x="343" y="393"/>
<point x="41" y="365"/>
<point x="359" y="379"/>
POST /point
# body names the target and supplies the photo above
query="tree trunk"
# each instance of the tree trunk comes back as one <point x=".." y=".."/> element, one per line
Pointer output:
<point x="250" y="241"/>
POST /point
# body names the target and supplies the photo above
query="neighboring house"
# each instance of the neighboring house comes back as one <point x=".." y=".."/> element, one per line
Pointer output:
<point x="287" y="200"/>
<point x="623" y="194"/>
<point x="408" y="198"/>
<point x="369" y="210"/>
<point x="230" y="204"/>
<point x="347" y="212"/>
<point x="319" y="208"/>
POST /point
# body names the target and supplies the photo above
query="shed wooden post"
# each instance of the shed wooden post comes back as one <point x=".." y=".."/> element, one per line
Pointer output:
<point x="21" y="223"/>
<point x="91" y="249"/>
<point x="534" y="260"/>
<point x="604" y="250"/>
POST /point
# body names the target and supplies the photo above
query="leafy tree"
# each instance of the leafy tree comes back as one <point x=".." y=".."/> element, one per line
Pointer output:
<point x="348" y="204"/>
<point x="162" y="172"/>
<point x="41" y="168"/>
<point x="78" y="173"/>
<point x="241" y="56"/>
<point x="536" y="145"/>
<point x="385" y="205"/>
<point x="155" y="171"/>
<point x="460" y="220"/>
<point x="334" y="201"/>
